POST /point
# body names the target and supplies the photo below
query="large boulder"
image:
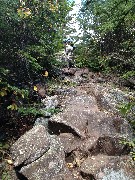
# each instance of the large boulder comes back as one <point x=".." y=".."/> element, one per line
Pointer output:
<point x="76" y="113"/>
<point x="110" y="146"/>
<point x="39" y="155"/>
<point x="101" y="166"/>
<point x="105" y="124"/>
<point x="51" y="164"/>
<point x="69" y="142"/>
<point x="109" y="98"/>
<point x="31" y="146"/>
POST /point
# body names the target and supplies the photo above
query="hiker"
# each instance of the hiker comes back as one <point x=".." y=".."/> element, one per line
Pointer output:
<point x="69" y="52"/>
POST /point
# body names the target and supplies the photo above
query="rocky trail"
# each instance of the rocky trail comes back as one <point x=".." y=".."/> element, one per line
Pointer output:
<point x="83" y="140"/>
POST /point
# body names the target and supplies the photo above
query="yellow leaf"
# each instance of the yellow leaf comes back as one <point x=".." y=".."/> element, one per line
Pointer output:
<point x="45" y="73"/>
<point x="70" y="165"/>
<point x="35" y="88"/>
<point x="23" y="12"/>
<point x="22" y="95"/>
<point x="9" y="161"/>
<point x="20" y="11"/>
<point x="14" y="106"/>
<point x="131" y="97"/>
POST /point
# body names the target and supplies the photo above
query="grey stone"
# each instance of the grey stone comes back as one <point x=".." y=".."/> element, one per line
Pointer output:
<point x="110" y="98"/>
<point x="31" y="146"/>
<point x="69" y="142"/>
<point x="67" y="175"/>
<point x="110" y="146"/>
<point x="88" y="132"/>
<point x="42" y="121"/>
<point x="100" y="80"/>
<point x="104" y="124"/>
<point x="81" y="72"/>
<point x="116" y="175"/>
<point x="100" y="165"/>
<point x="51" y="164"/>
<point x="66" y="91"/>
<point x="50" y="102"/>
<point x="76" y="113"/>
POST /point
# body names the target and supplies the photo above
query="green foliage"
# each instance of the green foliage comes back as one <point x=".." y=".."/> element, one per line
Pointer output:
<point x="36" y="111"/>
<point x="6" y="176"/>
<point x="128" y="74"/>
<point x="127" y="109"/>
<point x="30" y="111"/>
<point x="111" y="24"/>
<point x="4" y="146"/>
<point x="131" y="144"/>
<point x="11" y="95"/>
<point x="88" y="56"/>
<point x="31" y="33"/>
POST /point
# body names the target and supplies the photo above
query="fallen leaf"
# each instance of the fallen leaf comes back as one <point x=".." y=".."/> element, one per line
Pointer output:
<point x="9" y="161"/>
<point x="35" y="88"/>
<point x="45" y="74"/>
<point x="70" y="165"/>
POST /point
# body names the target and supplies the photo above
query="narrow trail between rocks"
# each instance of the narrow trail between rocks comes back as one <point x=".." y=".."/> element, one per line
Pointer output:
<point x="83" y="140"/>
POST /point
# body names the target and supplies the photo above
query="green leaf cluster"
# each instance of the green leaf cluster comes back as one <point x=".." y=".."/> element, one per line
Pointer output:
<point x="31" y="32"/>
<point x="110" y="23"/>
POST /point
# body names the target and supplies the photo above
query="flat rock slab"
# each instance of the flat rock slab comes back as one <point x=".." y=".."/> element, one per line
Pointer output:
<point x="71" y="143"/>
<point x="102" y="124"/>
<point x="108" y="98"/>
<point x="110" y="146"/>
<point x="99" y="165"/>
<point x="82" y="115"/>
<point x="69" y="71"/>
<point x="76" y="113"/>
<point x="50" y="165"/>
<point x="42" y="159"/>
<point x="31" y="146"/>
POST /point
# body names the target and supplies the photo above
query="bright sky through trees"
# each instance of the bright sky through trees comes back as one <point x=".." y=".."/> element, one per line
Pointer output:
<point x="74" y="22"/>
